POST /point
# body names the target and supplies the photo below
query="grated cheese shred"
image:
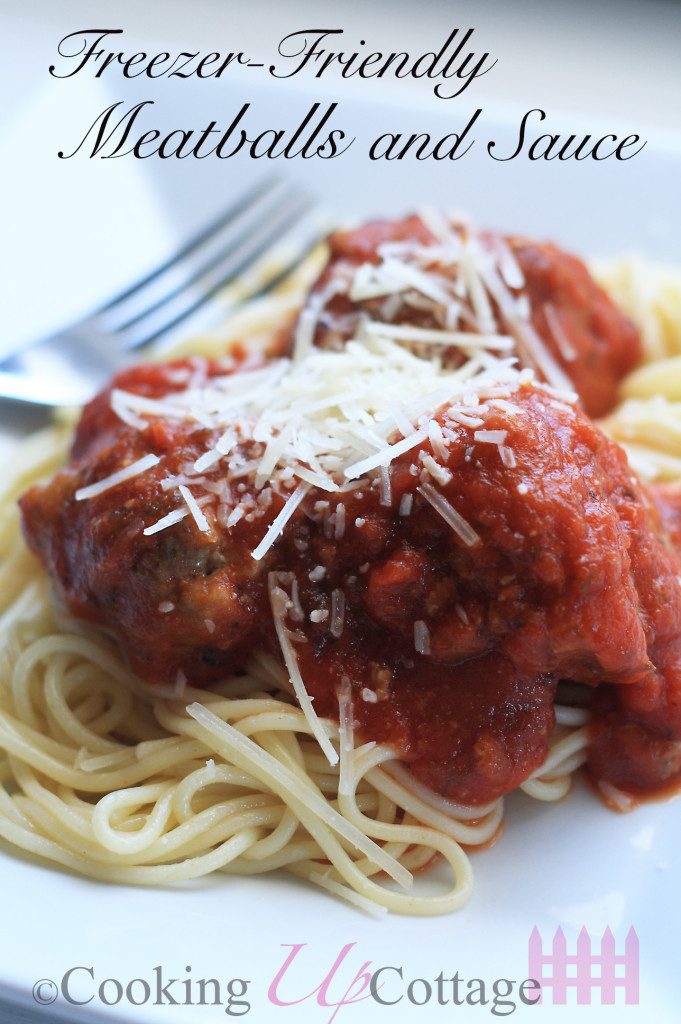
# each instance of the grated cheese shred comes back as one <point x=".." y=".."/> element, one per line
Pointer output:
<point x="421" y="637"/>
<point x="279" y="602"/>
<point x="463" y="529"/>
<point x="327" y="422"/>
<point x="127" y="473"/>
<point x="280" y="521"/>
<point x="335" y="420"/>
<point x="337" y="612"/>
<point x="194" y="508"/>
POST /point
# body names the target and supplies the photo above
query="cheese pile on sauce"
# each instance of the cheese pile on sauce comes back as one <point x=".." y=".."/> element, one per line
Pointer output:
<point x="398" y="508"/>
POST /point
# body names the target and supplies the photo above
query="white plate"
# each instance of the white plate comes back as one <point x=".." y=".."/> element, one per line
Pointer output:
<point x="572" y="865"/>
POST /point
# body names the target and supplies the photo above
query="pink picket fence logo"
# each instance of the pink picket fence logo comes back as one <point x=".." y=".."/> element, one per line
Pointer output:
<point x="586" y="970"/>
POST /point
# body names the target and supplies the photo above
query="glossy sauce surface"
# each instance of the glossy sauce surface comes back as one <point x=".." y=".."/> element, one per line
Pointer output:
<point x="592" y="342"/>
<point x="573" y="576"/>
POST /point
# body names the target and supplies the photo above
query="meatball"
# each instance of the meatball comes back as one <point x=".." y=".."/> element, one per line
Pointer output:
<point x="504" y="558"/>
<point x="587" y="338"/>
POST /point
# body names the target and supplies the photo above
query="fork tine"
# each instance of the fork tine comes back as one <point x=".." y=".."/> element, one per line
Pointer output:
<point x="271" y="235"/>
<point x="234" y="210"/>
<point x="268" y="284"/>
<point x="240" y="255"/>
<point x="209" y="264"/>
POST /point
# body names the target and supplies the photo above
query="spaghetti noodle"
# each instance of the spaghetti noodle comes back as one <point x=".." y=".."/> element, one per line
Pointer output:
<point x="135" y="784"/>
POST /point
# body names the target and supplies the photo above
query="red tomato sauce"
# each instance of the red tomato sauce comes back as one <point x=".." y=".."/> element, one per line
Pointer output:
<point x="593" y="343"/>
<point x="574" y="576"/>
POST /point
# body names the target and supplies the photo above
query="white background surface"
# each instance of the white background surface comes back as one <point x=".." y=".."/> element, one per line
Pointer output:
<point x="74" y="230"/>
<point x="79" y="227"/>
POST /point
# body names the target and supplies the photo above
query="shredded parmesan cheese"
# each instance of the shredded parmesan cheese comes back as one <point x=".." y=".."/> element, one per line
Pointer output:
<point x="279" y="603"/>
<point x="463" y="529"/>
<point x="421" y="637"/>
<point x="490" y="436"/>
<point x="439" y="473"/>
<point x="127" y="473"/>
<point x="279" y="523"/>
<point x="194" y="508"/>
<point x="337" y="612"/>
<point x="406" y="503"/>
<point x="326" y="421"/>
<point x="176" y="516"/>
<point x="507" y="456"/>
<point x="331" y="420"/>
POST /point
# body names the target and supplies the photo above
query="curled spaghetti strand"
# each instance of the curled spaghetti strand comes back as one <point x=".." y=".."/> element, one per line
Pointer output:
<point x="110" y="781"/>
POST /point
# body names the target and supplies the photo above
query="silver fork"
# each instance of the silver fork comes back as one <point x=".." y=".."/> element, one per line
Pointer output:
<point x="68" y="367"/>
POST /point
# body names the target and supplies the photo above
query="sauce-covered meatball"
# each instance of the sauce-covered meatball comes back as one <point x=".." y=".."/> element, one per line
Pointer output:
<point x="511" y="551"/>
<point x="420" y="277"/>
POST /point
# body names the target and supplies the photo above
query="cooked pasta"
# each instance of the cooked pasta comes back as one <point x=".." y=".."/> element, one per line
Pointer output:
<point x="128" y="783"/>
